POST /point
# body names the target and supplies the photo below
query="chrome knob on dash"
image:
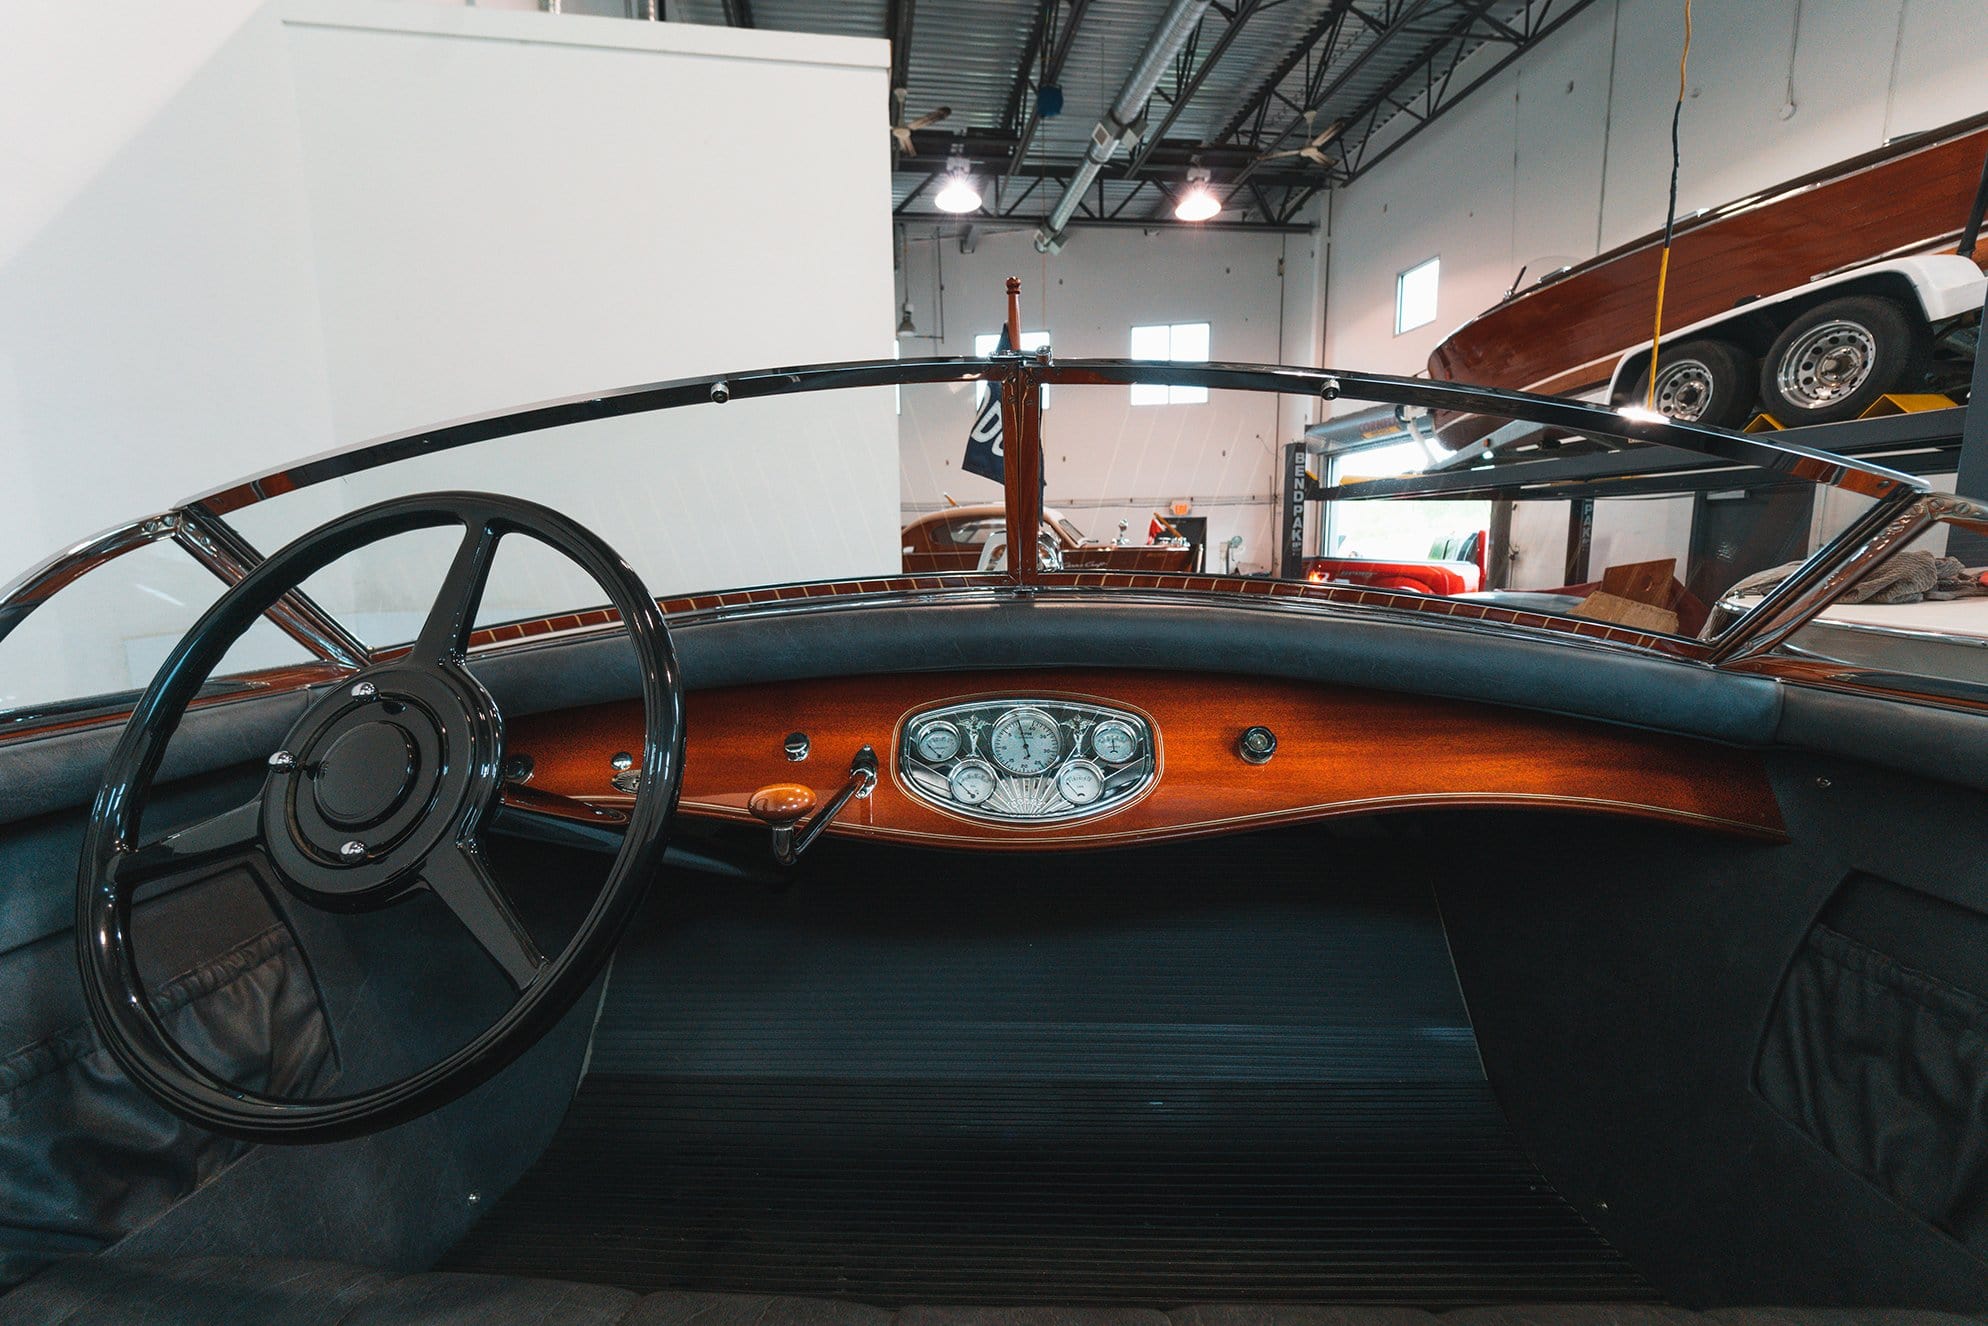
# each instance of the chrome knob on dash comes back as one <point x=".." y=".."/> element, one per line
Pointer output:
<point x="626" y="777"/>
<point x="1257" y="744"/>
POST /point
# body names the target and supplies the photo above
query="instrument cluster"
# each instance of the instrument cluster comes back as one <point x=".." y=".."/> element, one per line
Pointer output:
<point x="1026" y="760"/>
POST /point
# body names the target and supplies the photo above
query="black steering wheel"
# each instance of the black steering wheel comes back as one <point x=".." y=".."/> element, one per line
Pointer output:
<point x="377" y="792"/>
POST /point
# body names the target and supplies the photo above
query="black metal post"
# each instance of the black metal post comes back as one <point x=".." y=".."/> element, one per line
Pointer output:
<point x="1580" y="538"/>
<point x="1971" y="232"/>
<point x="1291" y="508"/>
<point x="1972" y="478"/>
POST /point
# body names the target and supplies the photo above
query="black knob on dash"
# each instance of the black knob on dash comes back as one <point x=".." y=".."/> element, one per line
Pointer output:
<point x="1257" y="744"/>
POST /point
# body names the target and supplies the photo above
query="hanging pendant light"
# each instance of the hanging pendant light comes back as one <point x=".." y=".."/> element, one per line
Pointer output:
<point x="958" y="195"/>
<point x="1199" y="202"/>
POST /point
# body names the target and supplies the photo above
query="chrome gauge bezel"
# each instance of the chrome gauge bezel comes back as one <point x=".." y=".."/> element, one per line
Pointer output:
<point x="975" y="766"/>
<point x="1119" y="725"/>
<point x="1028" y="798"/>
<point x="1012" y="720"/>
<point x="1082" y="768"/>
<point x="922" y="735"/>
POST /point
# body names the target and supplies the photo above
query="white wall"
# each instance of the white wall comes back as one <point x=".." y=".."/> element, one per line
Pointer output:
<point x="233" y="234"/>
<point x="510" y="207"/>
<point x="1567" y="153"/>
<point x="1107" y="459"/>
<point x="159" y="323"/>
<point x="513" y="206"/>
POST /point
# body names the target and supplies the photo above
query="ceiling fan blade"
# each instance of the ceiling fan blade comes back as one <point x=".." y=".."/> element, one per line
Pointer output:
<point x="930" y="118"/>
<point x="1331" y="131"/>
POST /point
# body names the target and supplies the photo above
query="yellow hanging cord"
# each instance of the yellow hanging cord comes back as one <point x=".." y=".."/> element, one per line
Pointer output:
<point x="1670" y="215"/>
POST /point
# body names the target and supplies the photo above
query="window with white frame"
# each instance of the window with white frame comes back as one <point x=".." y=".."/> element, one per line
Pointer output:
<point x="988" y="344"/>
<point x="1415" y="295"/>
<point x="1178" y="343"/>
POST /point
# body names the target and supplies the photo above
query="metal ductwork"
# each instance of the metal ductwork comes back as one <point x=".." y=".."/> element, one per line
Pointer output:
<point x="1374" y="426"/>
<point x="1120" y="125"/>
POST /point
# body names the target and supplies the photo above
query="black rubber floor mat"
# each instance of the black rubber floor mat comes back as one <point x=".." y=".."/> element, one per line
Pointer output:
<point x="1216" y="1072"/>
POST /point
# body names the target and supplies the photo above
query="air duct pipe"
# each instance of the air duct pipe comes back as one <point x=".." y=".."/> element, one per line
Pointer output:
<point x="1370" y="427"/>
<point x="1120" y="125"/>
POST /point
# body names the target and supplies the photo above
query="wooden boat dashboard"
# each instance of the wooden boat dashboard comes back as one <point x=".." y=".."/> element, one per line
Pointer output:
<point x="1338" y="751"/>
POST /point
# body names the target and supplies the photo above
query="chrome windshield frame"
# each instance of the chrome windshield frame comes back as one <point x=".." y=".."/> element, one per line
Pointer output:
<point x="1902" y="506"/>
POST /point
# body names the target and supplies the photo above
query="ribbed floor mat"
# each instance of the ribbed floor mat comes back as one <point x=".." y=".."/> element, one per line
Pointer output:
<point x="1218" y="1072"/>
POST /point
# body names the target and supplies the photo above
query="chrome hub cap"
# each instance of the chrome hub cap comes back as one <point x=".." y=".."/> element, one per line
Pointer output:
<point x="1684" y="389"/>
<point x="1829" y="362"/>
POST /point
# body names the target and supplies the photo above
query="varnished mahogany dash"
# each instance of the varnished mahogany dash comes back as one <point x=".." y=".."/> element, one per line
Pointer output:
<point x="1341" y="751"/>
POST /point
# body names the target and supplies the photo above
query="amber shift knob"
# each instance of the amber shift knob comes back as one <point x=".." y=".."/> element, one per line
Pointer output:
<point x="782" y="804"/>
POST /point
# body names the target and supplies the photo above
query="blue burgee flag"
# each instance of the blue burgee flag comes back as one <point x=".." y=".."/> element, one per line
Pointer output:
<point x="984" y="455"/>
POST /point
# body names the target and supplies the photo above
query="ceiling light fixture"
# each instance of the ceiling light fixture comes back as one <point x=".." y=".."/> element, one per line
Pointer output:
<point x="959" y="195"/>
<point x="1199" y="203"/>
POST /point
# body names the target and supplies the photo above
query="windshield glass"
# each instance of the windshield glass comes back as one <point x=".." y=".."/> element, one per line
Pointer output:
<point x="1218" y="479"/>
<point x="705" y="498"/>
<point x="1140" y="477"/>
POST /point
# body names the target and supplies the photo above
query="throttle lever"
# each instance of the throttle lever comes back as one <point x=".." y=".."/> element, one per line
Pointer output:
<point x="782" y="806"/>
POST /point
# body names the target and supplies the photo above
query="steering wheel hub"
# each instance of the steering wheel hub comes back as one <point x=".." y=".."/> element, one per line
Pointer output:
<point x="395" y="765"/>
<point x="366" y="775"/>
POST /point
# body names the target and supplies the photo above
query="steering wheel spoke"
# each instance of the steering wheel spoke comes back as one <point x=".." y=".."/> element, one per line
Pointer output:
<point x="445" y="634"/>
<point x="456" y="874"/>
<point x="230" y="836"/>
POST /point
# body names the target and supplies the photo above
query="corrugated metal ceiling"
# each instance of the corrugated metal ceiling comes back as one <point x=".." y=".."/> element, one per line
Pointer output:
<point x="1366" y="58"/>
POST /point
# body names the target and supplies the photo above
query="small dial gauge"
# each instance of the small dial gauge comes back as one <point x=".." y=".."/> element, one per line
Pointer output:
<point x="1114" y="742"/>
<point x="1025" y="741"/>
<point x="937" y="742"/>
<point x="972" y="782"/>
<point x="1080" y="782"/>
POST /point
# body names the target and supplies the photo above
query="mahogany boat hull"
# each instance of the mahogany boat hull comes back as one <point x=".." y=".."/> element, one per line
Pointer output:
<point x="1564" y="336"/>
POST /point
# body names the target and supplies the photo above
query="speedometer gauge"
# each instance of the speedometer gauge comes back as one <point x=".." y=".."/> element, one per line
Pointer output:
<point x="1025" y="741"/>
<point x="972" y="782"/>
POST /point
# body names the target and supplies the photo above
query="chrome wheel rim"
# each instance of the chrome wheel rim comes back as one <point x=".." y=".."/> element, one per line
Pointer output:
<point x="1827" y="363"/>
<point x="1684" y="389"/>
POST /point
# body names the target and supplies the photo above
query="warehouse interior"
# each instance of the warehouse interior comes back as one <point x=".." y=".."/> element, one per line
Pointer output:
<point x="292" y="218"/>
<point x="1472" y="808"/>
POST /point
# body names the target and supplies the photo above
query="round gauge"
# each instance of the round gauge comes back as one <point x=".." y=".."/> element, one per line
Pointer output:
<point x="1114" y="742"/>
<point x="937" y="742"/>
<point x="1025" y="741"/>
<point x="1080" y="782"/>
<point x="972" y="782"/>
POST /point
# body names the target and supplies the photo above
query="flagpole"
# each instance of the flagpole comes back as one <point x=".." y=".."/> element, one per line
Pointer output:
<point x="1021" y="431"/>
